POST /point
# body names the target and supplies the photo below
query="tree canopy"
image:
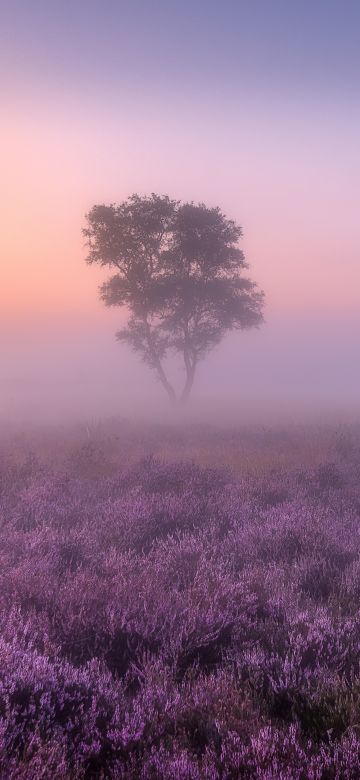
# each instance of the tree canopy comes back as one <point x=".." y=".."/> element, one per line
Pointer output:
<point x="178" y="270"/>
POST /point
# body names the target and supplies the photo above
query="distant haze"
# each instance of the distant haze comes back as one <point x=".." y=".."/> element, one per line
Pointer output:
<point x="250" y="106"/>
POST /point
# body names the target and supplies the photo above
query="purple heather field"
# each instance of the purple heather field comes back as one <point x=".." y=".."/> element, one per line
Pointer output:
<point x="180" y="603"/>
<point x="179" y="390"/>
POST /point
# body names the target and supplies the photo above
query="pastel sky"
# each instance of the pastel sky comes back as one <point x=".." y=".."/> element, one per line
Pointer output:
<point x="250" y="105"/>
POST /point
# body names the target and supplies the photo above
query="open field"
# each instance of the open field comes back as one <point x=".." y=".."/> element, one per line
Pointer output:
<point x="180" y="602"/>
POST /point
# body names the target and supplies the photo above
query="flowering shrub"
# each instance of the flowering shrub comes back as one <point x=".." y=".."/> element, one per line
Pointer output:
<point x="173" y="621"/>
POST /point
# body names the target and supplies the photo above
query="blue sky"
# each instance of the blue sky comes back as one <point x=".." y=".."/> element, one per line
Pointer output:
<point x="168" y="45"/>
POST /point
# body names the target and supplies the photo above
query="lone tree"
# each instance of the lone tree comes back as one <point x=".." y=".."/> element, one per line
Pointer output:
<point x="178" y="271"/>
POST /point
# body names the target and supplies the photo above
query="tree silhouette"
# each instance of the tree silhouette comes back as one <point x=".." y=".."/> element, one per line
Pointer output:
<point x="178" y="270"/>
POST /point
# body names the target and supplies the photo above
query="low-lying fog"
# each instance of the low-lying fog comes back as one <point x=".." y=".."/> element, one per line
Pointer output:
<point x="285" y="370"/>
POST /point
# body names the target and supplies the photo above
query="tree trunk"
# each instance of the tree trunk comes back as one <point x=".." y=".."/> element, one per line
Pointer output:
<point x="190" y="366"/>
<point x="187" y="388"/>
<point x="165" y="383"/>
<point x="157" y="365"/>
